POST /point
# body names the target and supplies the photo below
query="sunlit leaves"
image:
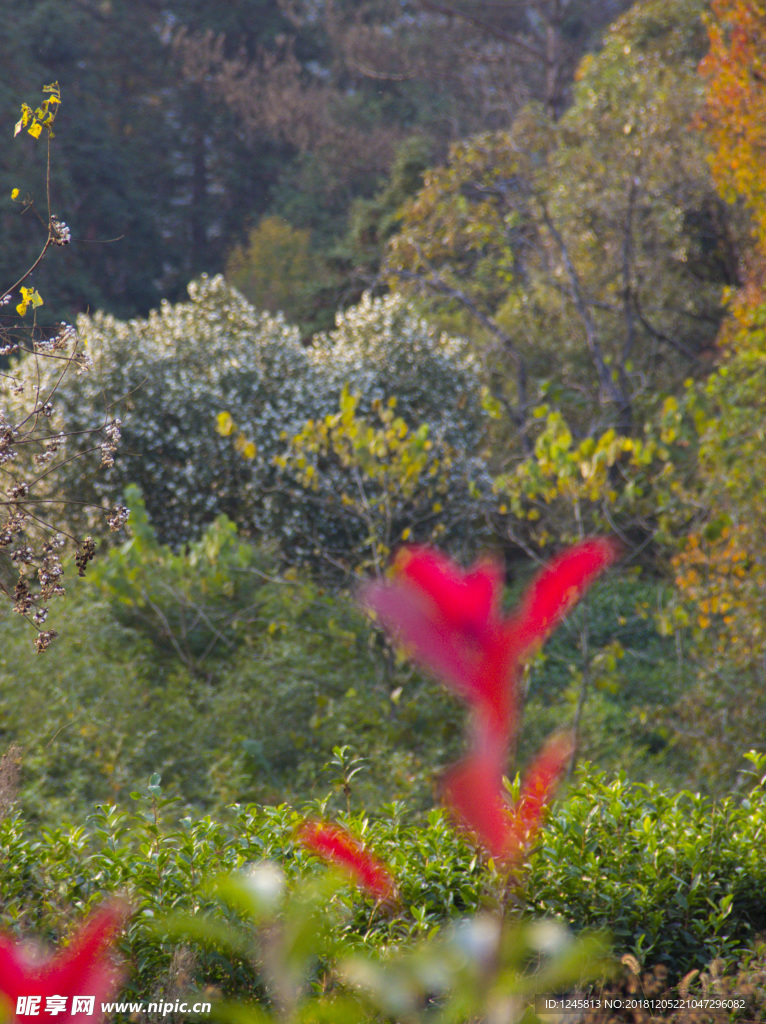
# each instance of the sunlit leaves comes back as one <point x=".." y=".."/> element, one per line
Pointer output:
<point x="29" y="297"/>
<point x="735" y="110"/>
<point x="35" y="121"/>
<point x="570" y="487"/>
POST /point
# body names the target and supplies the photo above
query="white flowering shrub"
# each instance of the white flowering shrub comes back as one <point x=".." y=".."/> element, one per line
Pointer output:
<point x="170" y="377"/>
<point x="380" y="349"/>
<point x="167" y="377"/>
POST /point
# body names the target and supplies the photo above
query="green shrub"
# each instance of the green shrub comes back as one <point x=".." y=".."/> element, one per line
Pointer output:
<point x="207" y="666"/>
<point x="676" y="880"/>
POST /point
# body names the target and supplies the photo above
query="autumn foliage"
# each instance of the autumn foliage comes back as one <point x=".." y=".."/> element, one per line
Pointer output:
<point x="735" y="111"/>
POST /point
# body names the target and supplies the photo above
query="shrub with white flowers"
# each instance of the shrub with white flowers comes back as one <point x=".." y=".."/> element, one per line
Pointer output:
<point x="169" y="378"/>
<point x="381" y="349"/>
<point x="166" y="377"/>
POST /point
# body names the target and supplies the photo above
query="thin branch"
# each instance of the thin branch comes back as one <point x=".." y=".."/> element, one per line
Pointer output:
<point x="437" y="284"/>
<point x="498" y="33"/>
<point x="617" y="393"/>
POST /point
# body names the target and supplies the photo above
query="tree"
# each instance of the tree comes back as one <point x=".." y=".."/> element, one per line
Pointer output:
<point x="589" y="254"/>
<point x="471" y="64"/>
<point x="720" y="561"/>
<point x="735" y="106"/>
<point x="155" y="180"/>
<point x="275" y="269"/>
<point x="346" y="87"/>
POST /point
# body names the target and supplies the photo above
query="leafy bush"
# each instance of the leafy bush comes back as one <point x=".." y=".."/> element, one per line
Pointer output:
<point x="208" y="667"/>
<point x="675" y="879"/>
<point x="172" y="375"/>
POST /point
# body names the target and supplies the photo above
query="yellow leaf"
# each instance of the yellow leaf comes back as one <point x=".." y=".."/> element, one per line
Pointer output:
<point x="245" y="448"/>
<point x="35" y="130"/>
<point x="15" y="194"/>
<point x="224" y="424"/>
<point x="28" y="297"/>
<point x="23" y="121"/>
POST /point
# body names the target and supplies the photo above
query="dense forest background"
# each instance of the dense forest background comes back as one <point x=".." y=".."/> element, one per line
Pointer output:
<point x="486" y="275"/>
<point x="185" y="127"/>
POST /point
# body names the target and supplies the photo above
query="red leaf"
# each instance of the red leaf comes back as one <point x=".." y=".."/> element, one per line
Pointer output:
<point x="543" y="776"/>
<point x="560" y="585"/>
<point x="474" y="791"/>
<point x="81" y="969"/>
<point x="451" y="621"/>
<point x="334" y="844"/>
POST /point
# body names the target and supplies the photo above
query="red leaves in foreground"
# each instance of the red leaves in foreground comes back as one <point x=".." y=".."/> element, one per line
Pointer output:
<point x="474" y="791"/>
<point x="54" y="988"/>
<point x="452" y="623"/>
<point x="451" y="620"/>
<point x="334" y="844"/>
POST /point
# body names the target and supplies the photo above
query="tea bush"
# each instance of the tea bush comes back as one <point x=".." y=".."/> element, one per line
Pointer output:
<point x="677" y="880"/>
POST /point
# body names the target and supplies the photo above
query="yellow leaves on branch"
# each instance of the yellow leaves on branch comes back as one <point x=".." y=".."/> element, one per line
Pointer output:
<point x="29" y="297"/>
<point x="43" y="117"/>
<point x="577" y="475"/>
<point x="716" y="576"/>
<point x="389" y="455"/>
<point x="389" y="471"/>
